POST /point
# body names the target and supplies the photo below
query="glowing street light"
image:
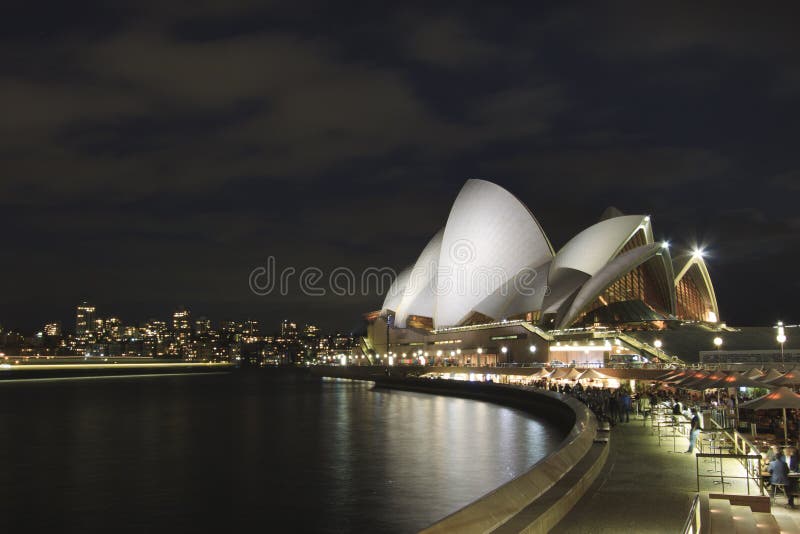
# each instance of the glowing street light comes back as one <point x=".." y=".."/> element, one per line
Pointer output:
<point x="718" y="342"/>
<point x="532" y="348"/>
<point x="781" y="338"/>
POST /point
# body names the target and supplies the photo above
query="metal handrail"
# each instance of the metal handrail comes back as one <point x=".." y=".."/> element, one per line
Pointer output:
<point x="721" y="456"/>
<point x="693" y="523"/>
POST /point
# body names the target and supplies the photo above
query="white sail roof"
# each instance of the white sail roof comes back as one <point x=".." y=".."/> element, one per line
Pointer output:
<point x="523" y="293"/>
<point x="489" y="237"/>
<point x="613" y="271"/>
<point x="420" y="295"/>
<point x="592" y="248"/>
<point x="395" y="294"/>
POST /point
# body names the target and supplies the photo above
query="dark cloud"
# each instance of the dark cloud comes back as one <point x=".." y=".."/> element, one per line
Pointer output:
<point x="154" y="154"/>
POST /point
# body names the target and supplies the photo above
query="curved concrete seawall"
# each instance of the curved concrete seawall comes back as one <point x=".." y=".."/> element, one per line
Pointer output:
<point x="539" y="498"/>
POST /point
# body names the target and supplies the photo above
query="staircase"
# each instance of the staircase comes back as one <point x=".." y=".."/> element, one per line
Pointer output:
<point x="734" y="514"/>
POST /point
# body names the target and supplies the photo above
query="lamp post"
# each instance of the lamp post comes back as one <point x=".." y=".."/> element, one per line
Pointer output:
<point x="479" y="351"/>
<point x="657" y="344"/>
<point x="718" y="344"/>
<point x="504" y="350"/>
<point x="781" y="339"/>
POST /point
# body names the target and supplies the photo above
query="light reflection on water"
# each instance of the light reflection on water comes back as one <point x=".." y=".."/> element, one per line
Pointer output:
<point x="204" y="453"/>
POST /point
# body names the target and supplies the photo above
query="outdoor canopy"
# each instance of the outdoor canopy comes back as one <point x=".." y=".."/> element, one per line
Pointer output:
<point x="771" y="375"/>
<point x="779" y="399"/>
<point x="592" y="374"/>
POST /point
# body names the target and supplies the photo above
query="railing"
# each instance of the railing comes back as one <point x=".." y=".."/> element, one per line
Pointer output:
<point x="743" y="458"/>
<point x="538" y="331"/>
<point x="693" y="522"/>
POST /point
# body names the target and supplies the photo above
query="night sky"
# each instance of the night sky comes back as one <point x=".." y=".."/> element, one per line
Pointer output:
<point x="153" y="156"/>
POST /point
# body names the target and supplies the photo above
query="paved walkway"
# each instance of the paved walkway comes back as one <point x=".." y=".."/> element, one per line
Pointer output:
<point x="643" y="488"/>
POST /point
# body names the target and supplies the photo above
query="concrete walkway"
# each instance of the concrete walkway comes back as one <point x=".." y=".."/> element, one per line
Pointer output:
<point x="643" y="488"/>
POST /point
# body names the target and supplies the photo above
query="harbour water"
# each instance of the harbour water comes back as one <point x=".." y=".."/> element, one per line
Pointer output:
<point x="264" y="450"/>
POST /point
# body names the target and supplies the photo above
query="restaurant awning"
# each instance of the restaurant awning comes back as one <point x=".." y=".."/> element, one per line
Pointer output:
<point x="792" y="378"/>
<point x="543" y="373"/>
<point x="592" y="374"/>
<point x="687" y="381"/>
<point x="573" y="374"/>
<point x="674" y="377"/>
<point x="737" y="380"/>
<point x="781" y="397"/>
<point x="771" y="375"/>
<point x="559" y="373"/>
<point x="706" y="382"/>
<point x="753" y="373"/>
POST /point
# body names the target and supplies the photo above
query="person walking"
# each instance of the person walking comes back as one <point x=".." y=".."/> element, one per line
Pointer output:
<point x="694" y="430"/>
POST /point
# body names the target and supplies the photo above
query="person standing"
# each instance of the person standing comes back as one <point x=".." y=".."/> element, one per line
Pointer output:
<point x="694" y="430"/>
<point x="625" y="401"/>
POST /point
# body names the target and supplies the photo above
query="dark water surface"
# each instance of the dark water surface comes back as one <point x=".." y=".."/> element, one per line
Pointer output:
<point x="249" y="451"/>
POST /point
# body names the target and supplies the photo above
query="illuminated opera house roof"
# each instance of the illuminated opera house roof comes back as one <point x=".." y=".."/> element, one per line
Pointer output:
<point x="493" y="261"/>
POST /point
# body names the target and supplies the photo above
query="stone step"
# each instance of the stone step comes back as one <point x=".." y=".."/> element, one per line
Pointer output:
<point x="787" y="524"/>
<point x="766" y="523"/>
<point x="721" y="517"/>
<point x="743" y="520"/>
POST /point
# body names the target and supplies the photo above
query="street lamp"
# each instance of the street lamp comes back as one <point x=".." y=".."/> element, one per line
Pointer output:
<point x="532" y="348"/>
<point x="718" y="344"/>
<point x="504" y="350"/>
<point x="781" y="339"/>
<point x="657" y="344"/>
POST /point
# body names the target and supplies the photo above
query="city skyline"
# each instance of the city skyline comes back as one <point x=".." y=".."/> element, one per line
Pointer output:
<point x="182" y="335"/>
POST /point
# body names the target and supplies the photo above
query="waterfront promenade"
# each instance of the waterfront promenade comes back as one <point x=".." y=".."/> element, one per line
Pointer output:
<point x="645" y="487"/>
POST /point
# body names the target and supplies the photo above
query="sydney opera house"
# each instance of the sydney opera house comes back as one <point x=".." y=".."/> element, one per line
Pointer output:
<point x="489" y="288"/>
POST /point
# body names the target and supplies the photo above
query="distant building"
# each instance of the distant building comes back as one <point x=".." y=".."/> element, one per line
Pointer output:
<point x="181" y="325"/>
<point x="288" y="330"/>
<point x="112" y="327"/>
<point x="52" y="329"/>
<point x="84" y="319"/>
<point x="202" y="325"/>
